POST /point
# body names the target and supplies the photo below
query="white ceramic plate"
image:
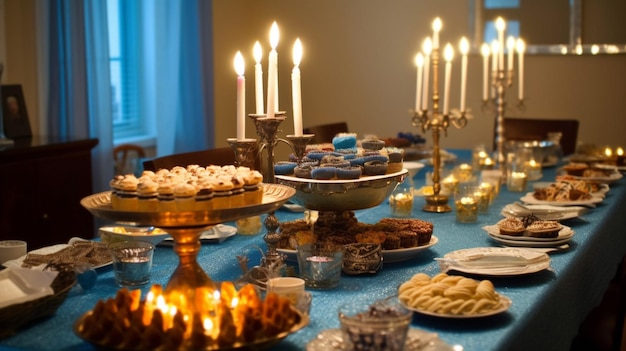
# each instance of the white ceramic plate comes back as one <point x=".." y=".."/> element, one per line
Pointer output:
<point x="546" y="212"/>
<point x="601" y="192"/>
<point x="211" y="235"/>
<point x="530" y="199"/>
<point x="50" y="250"/>
<point x="416" y="340"/>
<point x="604" y="180"/>
<point x="496" y="261"/>
<point x="610" y="167"/>
<point x="389" y="256"/>
<point x="565" y="233"/>
<point x="522" y="243"/>
<point x="506" y="303"/>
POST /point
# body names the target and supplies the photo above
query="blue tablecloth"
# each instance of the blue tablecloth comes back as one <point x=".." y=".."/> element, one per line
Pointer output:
<point x="547" y="308"/>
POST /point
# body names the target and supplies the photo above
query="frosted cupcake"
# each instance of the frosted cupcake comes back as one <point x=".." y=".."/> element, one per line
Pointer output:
<point x="236" y="198"/>
<point x="222" y="190"/>
<point x="114" y="184"/>
<point x="204" y="195"/>
<point x="166" y="196"/>
<point x="127" y="193"/>
<point x="147" y="195"/>
<point x="253" y="193"/>
<point x="185" y="197"/>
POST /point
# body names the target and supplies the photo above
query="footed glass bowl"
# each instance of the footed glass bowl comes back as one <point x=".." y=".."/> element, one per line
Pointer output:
<point x="342" y="195"/>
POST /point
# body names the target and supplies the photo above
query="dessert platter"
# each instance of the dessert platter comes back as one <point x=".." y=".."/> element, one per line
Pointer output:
<point x="529" y="198"/>
<point x="416" y="340"/>
<point x="495" y="261"/>
<point x="544" y="212"/>
<point x="565" y="234"/>
<point x="448" y="296"/>
<point x="75" y="248"/>
<point x="215" y="234"/>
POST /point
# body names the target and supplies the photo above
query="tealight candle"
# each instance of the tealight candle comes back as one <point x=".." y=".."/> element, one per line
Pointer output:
<point x="533" y="169"/>
<point x="466" y="204"/>
<point x="487" y="163"/>
<point x="620" y="156"/>
<point x="516" y="181"/>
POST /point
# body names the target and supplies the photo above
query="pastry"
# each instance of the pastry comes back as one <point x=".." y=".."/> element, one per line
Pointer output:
<point x="147" y="196"/>
<point x="511" y="226"/>
<point x="544" y="229"/>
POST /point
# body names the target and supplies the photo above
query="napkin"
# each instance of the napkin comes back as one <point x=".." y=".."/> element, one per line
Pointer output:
<point x="23" y="284"/>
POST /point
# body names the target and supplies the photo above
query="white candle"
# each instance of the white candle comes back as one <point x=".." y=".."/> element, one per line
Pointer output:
<point x="484" y="50"/>
<point x="295" y="88"/>
<point x="494" y="65"/>
<point x="436" y="29"/>
<point x="464" y="48"/>
<point x="521" y="47"/>
<point x="447" y="54"/>
<point x="510" y="47"/>
<point x="258" y="77"/>
<point x="272" y="76"/>
<point x="241" y="96"/>
<point x="427" y="48"/>
<point x="419" y="62"/>
<point x="500" y="27"/>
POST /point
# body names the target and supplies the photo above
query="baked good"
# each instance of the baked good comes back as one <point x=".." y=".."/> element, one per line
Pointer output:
<point x="350" y="172"/>
<point x="372" y="144"/>
<point x="575" y="169"/>
<point x="166" y="196"/>
<point x="392" y="242"/>
<point x="344" y="141"/>
<point x="375" y="168"/>
<point x="147" y="195"/>
<point x="511" y="226"/>
<point x="544" y="229"/>
<point x="127" y="193"/>
<point x="284" y="167"/>
<point x="185" y="197"/>
<point x="408" y="238"/>
<point x="323" y="173"/>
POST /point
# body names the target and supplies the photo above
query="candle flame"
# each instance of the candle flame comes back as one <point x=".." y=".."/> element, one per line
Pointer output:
<point x="427" y="47"/>
<point x="234" y="302"/>
<point x="239" y="64"/>
<point x="464" y="46"/>
<point x="500" y="24"/>
<point x="448" y="53"/>
<point x="619" y="151"/>
<point x="608" y="152"/>
<point x="494" y="47"/>
<point x="207" y="324"/>
<point x="274" y="35"/>
<point x="520" y="46"/>
<point x="484" y="50"/>
<point x="510" y="43"/>
<point x="437" y="24"/>
<point x="257" y="52"/>
<point x="297" y="52"/>
<point x="419" y="60"/>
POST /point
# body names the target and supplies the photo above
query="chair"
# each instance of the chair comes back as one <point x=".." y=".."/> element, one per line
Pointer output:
<point x="126" y="158"/>
<point x="326" y="132"/>
<point x="218" y="156"/>
<point x="526" y="129"/>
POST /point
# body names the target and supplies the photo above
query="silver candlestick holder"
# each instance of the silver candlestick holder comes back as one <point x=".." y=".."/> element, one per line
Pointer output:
<point x="247" y="151"/>
<point x="501" y="80"/>
<point x="437" y="122"/>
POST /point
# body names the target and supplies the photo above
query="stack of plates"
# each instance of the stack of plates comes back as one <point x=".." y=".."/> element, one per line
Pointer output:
<point x="565" y="234"/>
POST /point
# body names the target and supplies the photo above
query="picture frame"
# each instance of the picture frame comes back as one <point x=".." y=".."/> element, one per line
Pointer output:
<point x="14" y="113"/>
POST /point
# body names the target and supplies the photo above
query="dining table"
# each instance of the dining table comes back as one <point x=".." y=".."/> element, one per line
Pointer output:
<point x="547" y="306"/>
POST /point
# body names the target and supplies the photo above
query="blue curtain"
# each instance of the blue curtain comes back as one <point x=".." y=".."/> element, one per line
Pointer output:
<point x="179" y="83"/>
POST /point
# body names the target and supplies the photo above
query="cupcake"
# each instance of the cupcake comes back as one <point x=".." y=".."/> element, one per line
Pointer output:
<point x="375" y="168"/>
<point x="114" y="184"/>
<point x="253" y="191"/>
<point x="236" y="198"/>
<point x="343" y="141"/>
<point x="204" y="195"/>
<point x="185" y="197"/>
<point x="147" y="196"/>
<point x="511" y="226"/>
<point x="127" y="193"/>
<point x="372" y="144"/>
<point x="544" y="229"/>
<point x="165" y="194"/>
<point x="222" y="190"/>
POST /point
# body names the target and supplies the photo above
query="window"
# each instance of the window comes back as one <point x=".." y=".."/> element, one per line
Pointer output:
<point x="124" y="50"/>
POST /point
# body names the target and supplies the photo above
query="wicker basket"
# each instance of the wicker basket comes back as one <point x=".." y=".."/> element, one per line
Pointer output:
<point x="17" y="316"/>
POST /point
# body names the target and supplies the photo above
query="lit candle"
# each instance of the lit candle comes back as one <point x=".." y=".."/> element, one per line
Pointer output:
<point x="295" y="88"/>
<point x="500" y="27"/>
<point x="436" y="29"/>
<point x="241" y="96"/>
<point x="272" y="76"/>
<point x="494" y="65"/>
<point x="464" y="47"/>
<point x="447" y="54"/>
<point x="427" y="47"/>
<point x="521" y="47"/>
<point x="484" y="50"/>
<point x="510" y="47"/>
<point x="620" y="156"/>
<point x="419" y="62"/>
<point x="258" y="77"/>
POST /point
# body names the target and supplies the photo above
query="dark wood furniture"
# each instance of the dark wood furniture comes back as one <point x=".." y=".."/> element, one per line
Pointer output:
<point x="126" y="158"/>
<point x="326" y="132"/>
<point x="42" y="181"/>
<point x="529" y="129"/>
<point x="218" y="156"/>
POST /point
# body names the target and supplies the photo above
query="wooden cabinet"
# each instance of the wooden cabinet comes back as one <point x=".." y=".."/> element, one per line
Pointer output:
<point x="42" y="181"/>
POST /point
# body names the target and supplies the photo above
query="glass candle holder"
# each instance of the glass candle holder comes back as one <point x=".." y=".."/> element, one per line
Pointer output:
<point x="401" y="200"/>
<point x="516" y="180"/>
<point x="466" y="204"/>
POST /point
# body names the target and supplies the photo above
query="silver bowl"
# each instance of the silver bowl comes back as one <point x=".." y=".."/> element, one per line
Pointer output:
<point x="342" y="195"/>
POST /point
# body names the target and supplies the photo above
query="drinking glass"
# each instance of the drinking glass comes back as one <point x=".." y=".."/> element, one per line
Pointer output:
<point x="320" y="265"/>
<point x="132" y="262"/>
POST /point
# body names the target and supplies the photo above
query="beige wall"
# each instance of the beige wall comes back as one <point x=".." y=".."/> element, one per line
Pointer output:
<point x="358" y="67"/>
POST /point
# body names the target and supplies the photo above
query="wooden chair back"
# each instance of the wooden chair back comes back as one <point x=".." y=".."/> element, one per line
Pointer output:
<point x="527" y="129"/>
<point x="126" y="158"/>
<point x="218" y="156"/>
<point x="326" y="132"/>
